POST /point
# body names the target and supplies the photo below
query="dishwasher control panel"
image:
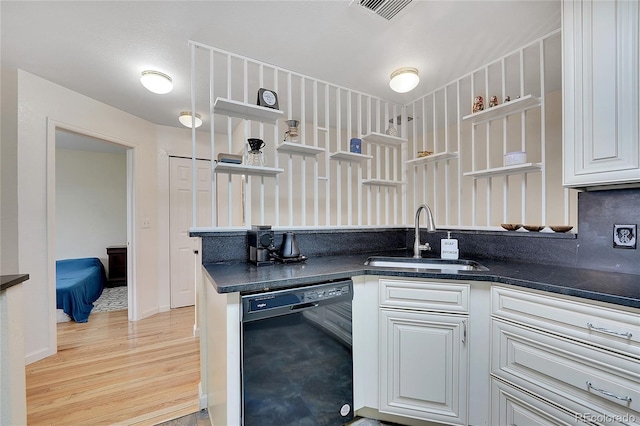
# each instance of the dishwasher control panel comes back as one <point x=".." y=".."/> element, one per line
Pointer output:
<point x="280" y="302"/>
<point x="325" y="293"/>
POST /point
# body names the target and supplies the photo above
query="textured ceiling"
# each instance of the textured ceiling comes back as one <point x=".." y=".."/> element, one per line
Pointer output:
<point x="100" y="48"/>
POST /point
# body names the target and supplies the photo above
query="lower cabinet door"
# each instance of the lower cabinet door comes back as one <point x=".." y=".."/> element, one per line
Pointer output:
<point x="424" y="365"/>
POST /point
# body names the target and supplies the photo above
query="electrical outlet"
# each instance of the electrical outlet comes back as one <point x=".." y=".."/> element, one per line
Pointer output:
<point x="624" y="236"/>
<point x="146" y="223"/>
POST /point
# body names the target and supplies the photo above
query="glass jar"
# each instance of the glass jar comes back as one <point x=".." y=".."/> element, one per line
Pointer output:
<point x="256" y="158"/>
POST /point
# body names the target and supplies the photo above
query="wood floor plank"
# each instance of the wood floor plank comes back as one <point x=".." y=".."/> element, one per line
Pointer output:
<point x="112" y="371"/>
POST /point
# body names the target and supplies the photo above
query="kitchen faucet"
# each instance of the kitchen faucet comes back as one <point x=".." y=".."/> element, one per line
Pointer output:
<point x="431" y="227"/>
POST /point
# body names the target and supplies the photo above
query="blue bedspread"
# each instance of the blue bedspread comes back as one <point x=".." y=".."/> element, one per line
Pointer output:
<point x="79" y="283"/>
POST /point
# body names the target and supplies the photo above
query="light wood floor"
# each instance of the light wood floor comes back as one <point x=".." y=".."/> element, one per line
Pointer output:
<point x="112" y="371"/>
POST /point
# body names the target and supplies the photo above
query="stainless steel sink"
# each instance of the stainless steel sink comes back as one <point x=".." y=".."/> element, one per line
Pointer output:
<point x="445" y="265"/>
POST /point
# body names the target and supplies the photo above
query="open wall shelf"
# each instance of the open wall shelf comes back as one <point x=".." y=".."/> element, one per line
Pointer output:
<point x="382" y="182"/>
<point x="299" y="149"/>
<point x="433" y="158"/>
<point x="506" y="170"/>
<point x="237" y="109"/>
<point x="349" y="156"/>
<point x="382" y="139"/>
<point x="503" y="110"/>
<point x="241" y="169"/>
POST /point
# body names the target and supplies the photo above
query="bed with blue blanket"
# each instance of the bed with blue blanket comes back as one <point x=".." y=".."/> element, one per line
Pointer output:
<point x="79" y="283"/>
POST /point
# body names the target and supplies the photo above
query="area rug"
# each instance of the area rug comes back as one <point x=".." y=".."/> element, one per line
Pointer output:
<point x="111" y="299"/>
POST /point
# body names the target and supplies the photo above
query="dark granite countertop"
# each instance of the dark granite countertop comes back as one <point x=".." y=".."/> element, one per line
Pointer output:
<point x="243" y="277"/>
<point x="7" y="281"/>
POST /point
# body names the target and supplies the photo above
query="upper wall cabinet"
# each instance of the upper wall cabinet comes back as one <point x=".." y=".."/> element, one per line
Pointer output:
<point x="600" y="86"/>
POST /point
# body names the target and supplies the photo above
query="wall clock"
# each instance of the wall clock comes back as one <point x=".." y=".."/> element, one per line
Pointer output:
<point x="267" y="98"/>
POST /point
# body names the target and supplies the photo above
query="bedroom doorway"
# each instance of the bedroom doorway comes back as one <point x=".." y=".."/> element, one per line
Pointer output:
<point x="92" y="211"/>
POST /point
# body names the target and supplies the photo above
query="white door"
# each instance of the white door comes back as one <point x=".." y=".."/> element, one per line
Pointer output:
<point x="181" y="246"/>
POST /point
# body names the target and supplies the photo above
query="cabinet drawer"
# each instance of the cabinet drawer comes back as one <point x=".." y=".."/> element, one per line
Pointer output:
<point x="440" y="296"/>
<point x="511" y="406"/>
<point x="604" y="326"/>
<point x="583" y="378"/>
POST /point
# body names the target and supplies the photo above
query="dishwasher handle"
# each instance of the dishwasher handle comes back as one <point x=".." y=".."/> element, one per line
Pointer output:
<point x="304" y="306"/>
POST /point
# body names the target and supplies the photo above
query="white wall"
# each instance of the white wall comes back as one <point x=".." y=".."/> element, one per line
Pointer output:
<point x="8" y="174"/>
<point x="91" y="203"/>
<point x="42" y="106"/>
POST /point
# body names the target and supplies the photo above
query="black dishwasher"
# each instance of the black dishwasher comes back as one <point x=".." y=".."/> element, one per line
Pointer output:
<point x="297" y="364"/>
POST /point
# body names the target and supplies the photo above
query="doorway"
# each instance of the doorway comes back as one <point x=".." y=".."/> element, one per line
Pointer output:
<point x="93" y="203"/>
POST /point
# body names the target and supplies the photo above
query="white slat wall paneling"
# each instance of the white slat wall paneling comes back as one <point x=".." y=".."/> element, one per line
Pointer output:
<point x="524" y="189"/>
<point x="425" y="136"/>
<point x="230" y="148"/>
<point x="446" y="149"/>
<point x="489" y="182"/>
<point x="316" y="177"/>
<point x="359" y="168"/>
<point x="340" y="148"/>
<point x="523" y="142"/>
<point x="327" y="139"/>
<point x="368" y="150"/>
<point x="505" y="180"/>
<point x="194" y="208"/>
<point x="349" y="174"/>
<point x="474" y="190"/>
<point x="261" y="132"/>
<point x="303" y="163"/>
<point x="276" y="161"/>
<point x="387" y="166"/>
<point x="290" y="159"/>
<point x="460" y="150"/>
<point x="212" y="133"/>
<point x="543" y="137"/>
<point x="247" y="133"/>
<point x="344" y="188"/>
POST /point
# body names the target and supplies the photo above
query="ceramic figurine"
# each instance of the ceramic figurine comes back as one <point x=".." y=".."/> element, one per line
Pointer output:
<point x="478" y="104"/>
<point x="507" y="99"/>
<point x="493" y="102"/>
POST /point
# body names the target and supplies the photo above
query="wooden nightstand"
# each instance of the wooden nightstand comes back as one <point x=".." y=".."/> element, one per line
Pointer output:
<point x="117" y="266"/>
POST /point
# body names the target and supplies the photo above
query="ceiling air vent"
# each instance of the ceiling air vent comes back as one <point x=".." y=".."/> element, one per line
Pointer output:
<point x="385" y="8"/>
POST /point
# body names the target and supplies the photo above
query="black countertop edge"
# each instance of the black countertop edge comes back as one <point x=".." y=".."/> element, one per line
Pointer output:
<point x="223" y="232"/>
<point x="7" y="281"/>
<point x="616" y="288"/>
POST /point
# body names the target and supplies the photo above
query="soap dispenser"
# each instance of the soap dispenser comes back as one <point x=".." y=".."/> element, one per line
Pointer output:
<point x="448" y="247"/>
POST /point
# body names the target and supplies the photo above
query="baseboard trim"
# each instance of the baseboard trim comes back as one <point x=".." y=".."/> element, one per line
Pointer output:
<point x="202" y="398"/>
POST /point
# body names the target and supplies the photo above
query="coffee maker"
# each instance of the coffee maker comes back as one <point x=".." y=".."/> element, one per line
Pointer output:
<point x="260" y="244"/>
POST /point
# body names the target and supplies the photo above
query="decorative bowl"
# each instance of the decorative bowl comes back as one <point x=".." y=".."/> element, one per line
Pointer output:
<point x="511" y="226"/>
<point x="424" y="153"/>
<point x="561" y="228"/>
<point x="533" y="228"/>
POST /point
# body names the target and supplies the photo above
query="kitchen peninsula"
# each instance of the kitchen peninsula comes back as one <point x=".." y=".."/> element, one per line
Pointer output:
<point x="533" y="295"/>
<point x="13" y="403"/>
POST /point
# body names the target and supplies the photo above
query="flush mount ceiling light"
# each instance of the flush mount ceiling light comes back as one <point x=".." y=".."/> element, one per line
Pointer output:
<point x="404" y="80"/>
<point x="185" y="119"/>
<point x="156" y="82"/>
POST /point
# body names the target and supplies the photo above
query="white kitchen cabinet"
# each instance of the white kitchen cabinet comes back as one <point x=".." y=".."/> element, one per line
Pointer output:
<point x="546" y="346"/>
<point x="424" y="351"/>
<point x="601" y="104"/>
<point x="423" y="365"/>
